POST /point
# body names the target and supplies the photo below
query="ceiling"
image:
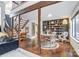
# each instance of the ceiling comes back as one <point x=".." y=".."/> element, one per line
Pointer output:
<point x="18" y="2"/>
<point x="8" y="6"/>
<point x="59" y="10"/>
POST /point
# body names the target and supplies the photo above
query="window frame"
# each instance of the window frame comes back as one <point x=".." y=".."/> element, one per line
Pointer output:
<point x="75" y="27"/>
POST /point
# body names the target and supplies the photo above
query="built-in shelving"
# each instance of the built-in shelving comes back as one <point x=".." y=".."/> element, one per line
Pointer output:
<point x="55" y="24"/>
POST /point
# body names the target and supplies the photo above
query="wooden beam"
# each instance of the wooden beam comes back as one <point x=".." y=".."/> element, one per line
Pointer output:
<point x="36" y="6"/>
<point x="15" y="3"/>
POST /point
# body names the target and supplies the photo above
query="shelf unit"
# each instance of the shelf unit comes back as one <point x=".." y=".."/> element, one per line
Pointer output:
<point x="55" y="24"/>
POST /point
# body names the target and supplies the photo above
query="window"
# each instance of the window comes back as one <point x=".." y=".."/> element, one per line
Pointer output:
<point x="75" y="27"/>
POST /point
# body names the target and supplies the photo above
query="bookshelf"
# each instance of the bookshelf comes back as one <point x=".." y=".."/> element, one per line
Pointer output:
<point x="55" y="24"/>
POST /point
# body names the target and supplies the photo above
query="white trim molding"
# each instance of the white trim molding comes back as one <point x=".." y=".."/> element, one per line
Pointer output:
<point x="74" y="39"/>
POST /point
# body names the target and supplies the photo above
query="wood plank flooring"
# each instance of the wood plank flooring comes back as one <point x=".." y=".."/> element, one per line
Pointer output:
<point x="65" y="50"/>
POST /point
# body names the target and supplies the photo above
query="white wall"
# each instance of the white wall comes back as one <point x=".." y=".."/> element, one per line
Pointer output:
<point x="75" y="9"/>
<point x="2" y="5"/>
<point x="0" y="16"/>
<point x="73" y="41"/>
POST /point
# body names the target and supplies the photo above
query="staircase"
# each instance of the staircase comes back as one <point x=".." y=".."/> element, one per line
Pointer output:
<point x="7" y="29"/>
<point x="18" y="27"/>
<point x="8" y="20"/>
<point x="8" y="26"/>
<point x="23" y="23"/>
<point x="22" y="34"/>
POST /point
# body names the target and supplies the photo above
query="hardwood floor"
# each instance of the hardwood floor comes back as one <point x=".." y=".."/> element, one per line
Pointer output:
<point x="64" y="50"/>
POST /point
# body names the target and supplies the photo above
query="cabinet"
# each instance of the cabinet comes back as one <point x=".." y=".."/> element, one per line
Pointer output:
<point x="9" y="46"/>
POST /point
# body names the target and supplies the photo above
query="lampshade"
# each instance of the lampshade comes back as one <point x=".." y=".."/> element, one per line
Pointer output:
<point x="64" y="21"/>
<point x="49" y="16"/>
